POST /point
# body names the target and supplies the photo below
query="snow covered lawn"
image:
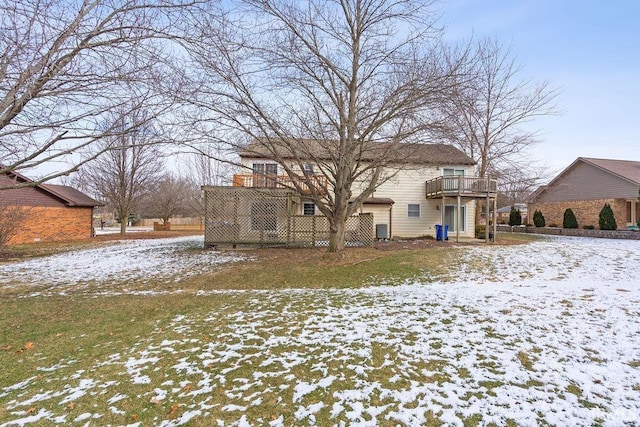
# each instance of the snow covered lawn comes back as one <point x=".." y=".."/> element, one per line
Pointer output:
<point x="110" y="267"/>
<point x="546" y="333"/>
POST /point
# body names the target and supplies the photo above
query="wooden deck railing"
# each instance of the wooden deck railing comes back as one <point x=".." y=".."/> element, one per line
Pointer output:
<point x="465" y="186"/>
<point x="279" y="181"/>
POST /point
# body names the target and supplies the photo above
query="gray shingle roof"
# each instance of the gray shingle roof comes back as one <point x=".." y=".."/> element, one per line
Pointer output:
<point x="628" y="169"/>
<point x="428" y="154"/>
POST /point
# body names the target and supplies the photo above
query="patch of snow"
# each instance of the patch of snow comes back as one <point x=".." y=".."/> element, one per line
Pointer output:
<point x="82" y="417"/>
<point x="42" y="414"/>
<point x="543" y="333"/>
<point x="131" y="260"/>
<point x="79" y="391"/>
<point x="117" y="398"/>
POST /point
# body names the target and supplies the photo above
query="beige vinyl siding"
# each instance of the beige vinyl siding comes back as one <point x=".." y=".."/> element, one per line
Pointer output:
<point x="409" y="187"/>
<point x="380" y="214"/>
<point x="587" y="182"/>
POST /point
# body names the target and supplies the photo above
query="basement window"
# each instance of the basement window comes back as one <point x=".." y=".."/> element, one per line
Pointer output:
<point x="308" y="209"/>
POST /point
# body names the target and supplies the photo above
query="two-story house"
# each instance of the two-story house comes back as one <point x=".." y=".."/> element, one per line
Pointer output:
<point x="434" y="185"/>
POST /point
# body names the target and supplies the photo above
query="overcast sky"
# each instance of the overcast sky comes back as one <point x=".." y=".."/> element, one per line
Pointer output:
<point x="588" y="49"/>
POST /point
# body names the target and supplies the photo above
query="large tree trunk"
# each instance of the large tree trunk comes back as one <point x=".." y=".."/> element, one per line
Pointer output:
<point x="336" y="235"/>
<point x="123" y="224"/>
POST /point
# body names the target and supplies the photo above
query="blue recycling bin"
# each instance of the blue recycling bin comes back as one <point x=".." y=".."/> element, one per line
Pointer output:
<point x="442" y="233"/>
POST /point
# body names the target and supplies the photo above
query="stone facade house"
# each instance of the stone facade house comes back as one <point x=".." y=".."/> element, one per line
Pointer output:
<point x="585" y="186"/>
<point x="46" y="212"/>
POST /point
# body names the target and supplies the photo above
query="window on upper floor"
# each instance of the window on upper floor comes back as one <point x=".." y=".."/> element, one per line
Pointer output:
<point x="265" y="174"/>
<point x="308" y="169"/>
<point x="265" y="168"/>
<point x="452" y="172"/>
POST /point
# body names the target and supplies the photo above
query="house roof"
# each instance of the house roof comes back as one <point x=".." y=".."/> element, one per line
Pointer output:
<point x="69" y="196"/>
<point x="522" y="207"/>
<point x="412" y="153"/>
<point x="628" y="169"/>
<point x="72" y="196"/>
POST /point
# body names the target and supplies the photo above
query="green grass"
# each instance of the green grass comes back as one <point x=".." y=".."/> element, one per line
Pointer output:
<point x="250" y="347"/>
<point x="51" y="340"/>
<point x="315" y="268"/>
<point x="526" y="360"/>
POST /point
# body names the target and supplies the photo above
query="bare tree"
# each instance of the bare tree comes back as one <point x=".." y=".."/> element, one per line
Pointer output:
<point x="12" y="217"/>
<point x="515" y="185"/>
<point x="337" y="84"/>
<point x="129" y="169"/>
<point x="170" y="198"/>
<point x="65" y="66"/>
<point x="486" y="117"/>
<point x="210" y="164"/>
<point x="207" y="164"/>
<point x="491" y="105"/>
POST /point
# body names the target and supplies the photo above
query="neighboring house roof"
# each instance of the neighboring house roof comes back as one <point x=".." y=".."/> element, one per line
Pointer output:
<point x="72" y="196"/>
<point x="33" y="195"/>
<point x="590" y="178"/>
<point x="627" y="169"/>
<point x="434" y="154"/>
<point x="522" y="207"/>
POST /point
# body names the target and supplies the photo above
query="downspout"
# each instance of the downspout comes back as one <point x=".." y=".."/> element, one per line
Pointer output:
<point x="390" y="217"/>
<point x="93" y="230"/>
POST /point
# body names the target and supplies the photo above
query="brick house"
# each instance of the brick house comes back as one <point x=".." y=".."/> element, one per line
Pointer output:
<point x="585" y="186"/>
<point x="52" y="212"/>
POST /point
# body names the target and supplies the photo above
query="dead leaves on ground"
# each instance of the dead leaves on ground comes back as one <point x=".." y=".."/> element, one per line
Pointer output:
<point x="174" y="410"/>
<point x="28" y="346"/>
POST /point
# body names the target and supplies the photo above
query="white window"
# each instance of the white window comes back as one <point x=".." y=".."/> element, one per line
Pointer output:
<point x="308" y="169"/>
<point x="265" y="168"/>
<point x="265" y="174"/>
<point x="413" y="210"/>
<point x="452" y="172"/>
<point x="308" y="208"/>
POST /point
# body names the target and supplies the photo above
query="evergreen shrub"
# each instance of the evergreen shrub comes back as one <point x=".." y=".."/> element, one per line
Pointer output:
<point x="515" y="218"/>
<point x="569" y="220"/>
<point x="538" y="219"/>
<point x="606" y="218"/>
